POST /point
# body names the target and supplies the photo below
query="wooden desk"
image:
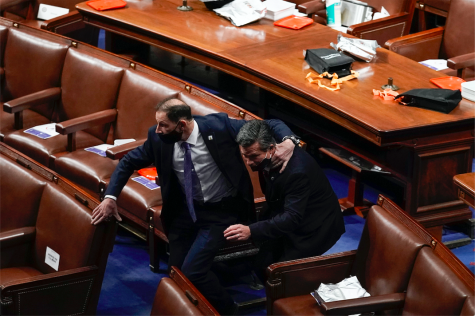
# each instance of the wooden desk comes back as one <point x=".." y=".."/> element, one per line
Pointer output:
<point x="466" y="187"/>
<point x="423" y="149"/>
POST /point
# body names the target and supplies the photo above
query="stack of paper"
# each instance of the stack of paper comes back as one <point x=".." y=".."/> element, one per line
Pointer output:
<point x="278" y="9"/>
<point x="468" y="90"/>
<point x="43" y="131"/>
<point x="436" y="64"/>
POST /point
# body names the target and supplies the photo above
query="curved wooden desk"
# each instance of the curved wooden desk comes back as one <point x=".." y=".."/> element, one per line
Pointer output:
<point x="423" y="149"/>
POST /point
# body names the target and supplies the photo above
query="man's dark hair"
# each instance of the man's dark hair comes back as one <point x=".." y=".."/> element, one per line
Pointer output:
<point x="255" y="131"/>
<point x="175" y="109"/>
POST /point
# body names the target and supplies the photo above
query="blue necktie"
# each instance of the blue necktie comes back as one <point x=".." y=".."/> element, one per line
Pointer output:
<point x="192" y="183"/>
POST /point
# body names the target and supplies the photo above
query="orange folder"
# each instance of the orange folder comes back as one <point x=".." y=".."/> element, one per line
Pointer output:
<point x="102" y="5"/>
<point x="294" y="22"/>
<point x="452" y="83"/>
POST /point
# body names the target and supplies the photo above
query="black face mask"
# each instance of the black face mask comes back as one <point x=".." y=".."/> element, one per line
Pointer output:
<point x="172" y="137"/>
<point x="262" y="165"/>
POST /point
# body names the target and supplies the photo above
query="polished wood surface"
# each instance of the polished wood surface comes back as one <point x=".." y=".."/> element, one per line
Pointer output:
<point x="272" y="57"/>
<point x="466" y="187"/>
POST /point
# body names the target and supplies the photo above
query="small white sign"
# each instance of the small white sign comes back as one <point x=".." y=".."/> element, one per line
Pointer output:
<point x="47" y="12"/>
<point x="52" y="258"/>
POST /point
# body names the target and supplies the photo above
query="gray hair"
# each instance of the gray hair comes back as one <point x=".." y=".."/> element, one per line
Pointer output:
<point x="256" y="131"/>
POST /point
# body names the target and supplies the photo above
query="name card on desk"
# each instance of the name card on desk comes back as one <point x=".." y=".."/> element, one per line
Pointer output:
<point x="48" y="12"/>
<point x="52" y="258"/>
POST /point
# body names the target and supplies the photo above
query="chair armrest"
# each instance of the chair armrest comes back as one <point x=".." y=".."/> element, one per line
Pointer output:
<point x="30" y="100"/>
<point x="86" y="121"/>
<point x="117" y="152"/>
<point x="382" y="29"/>
<point x="311" y="6"/>
<point x="462" y="61"/>
<point x="419" y="46"/>
<point x="17" y="236"/>
<point x="4" y="4"/>
<point x="363" y="304"/>
<point x="51" y="24"/>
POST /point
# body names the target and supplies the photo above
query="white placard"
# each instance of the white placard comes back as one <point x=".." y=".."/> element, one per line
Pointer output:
<point x="48" y="12"/>
<point x="52" y="258"/>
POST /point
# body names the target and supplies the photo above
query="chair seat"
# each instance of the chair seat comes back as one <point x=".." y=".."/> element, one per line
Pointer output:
<point x="85" y="168"/>
<point x="42" y="150"/>
<point x="17" y="273"/>
<point x="30" y="119"/>
<point x="469" y="73"/>
<point x="137" y="199"/>
<point x="297" y="305"/>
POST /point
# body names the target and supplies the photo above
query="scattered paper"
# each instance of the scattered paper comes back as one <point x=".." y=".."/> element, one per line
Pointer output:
<point x="48" y="12"/>
<point x="101" y="149"/>
<point x="146" y="182"/>
<point x="43" y="131"/>
<point x="241" y="12"/>
<point x="349" y="288"/>
<point x="436" y="64"/>
<point x="379" y="15"/>
<point x="52" y="258"/>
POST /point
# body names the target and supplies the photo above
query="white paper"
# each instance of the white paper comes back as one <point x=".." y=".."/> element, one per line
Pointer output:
<point x="43" y="131"/>
<point x="241" y="12"/>
<point x="52" y="258"/>
<point x="349" y="288"/>
<point x="379" y="15"/>
<point x="119" y="142"/>
<point x="297" y="13"/>
<point x="47" y="12"/>
<point x="436" y="64"/>
<point x="101" y="149"/>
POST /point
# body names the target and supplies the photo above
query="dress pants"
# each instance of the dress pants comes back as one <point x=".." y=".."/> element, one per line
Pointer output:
<point x="193" y="245"/>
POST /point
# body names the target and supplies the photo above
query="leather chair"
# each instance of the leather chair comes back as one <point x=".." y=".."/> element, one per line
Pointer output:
<point x="383" y="263"/>
<point x="28" y="80"/>
<point x="178" y="296"/>
<point x="395" y="25"/>
<point x="435" y="7"/>
<point x="90" y="82"/>
<point x="453" y="42"/>
<point x="29" y="286"/>
<point x="71" y="24"/>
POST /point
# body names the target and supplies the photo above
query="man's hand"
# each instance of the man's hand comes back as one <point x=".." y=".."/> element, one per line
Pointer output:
<point x="283" y="153"/>
<point x="237" y="232"/>
<point x="104" y="211"/>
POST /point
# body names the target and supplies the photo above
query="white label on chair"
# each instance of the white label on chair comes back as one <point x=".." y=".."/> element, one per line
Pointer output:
<point x="47" y="12"/>
<point x="52" y="258"/>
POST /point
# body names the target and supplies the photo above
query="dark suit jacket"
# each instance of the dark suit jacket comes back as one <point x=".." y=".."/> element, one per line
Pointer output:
<point x="302" y="209"/>
<point x="219" y="134"/>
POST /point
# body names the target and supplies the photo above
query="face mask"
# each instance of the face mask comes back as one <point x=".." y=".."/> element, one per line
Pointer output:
<point x="172" y="137"/>
<point x="262" y="165"/>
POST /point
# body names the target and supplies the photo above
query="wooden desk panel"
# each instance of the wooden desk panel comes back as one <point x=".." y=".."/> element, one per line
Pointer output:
<point x="466" y="187"/>
<point x="423" y="149"/>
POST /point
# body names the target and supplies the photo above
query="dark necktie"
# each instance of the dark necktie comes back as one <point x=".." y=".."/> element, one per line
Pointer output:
<point x="192" y="183"/>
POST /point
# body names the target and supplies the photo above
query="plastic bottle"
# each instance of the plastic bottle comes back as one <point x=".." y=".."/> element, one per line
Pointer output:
<point x="333" y="13"/>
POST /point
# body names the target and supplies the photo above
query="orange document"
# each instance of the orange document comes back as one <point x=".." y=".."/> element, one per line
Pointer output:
<point x="452" y="83"/>
<point x="102" y="5"/>
<point x="294" y="22"/>
<point x="149" y="173"/>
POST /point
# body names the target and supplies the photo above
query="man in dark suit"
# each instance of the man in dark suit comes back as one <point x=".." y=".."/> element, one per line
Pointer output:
<point x="303" y="218"/>
<point x="204" y="183"/>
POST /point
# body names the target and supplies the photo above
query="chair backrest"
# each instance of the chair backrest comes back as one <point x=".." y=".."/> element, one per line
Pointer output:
<point x="468" y="308"/>
<point x="434" y="288"/>
<point x="89" y="83"/>
<point x="393" y="6"/>
<point x="38" y="70"/>
<point x="64" y="225"/>
<point x="386" y="253"/>
<point x="3" y="41"/>
<point x="459" y="29"/>
<point x="16" y="183"/>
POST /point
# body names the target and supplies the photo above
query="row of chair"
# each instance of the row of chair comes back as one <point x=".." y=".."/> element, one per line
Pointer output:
<point x="94" y="97"/>
<point x="41" y="210"/>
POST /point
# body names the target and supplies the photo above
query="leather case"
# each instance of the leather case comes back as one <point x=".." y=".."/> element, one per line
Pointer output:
<point x="329" y="60"/>
<point x="440" y="100"/>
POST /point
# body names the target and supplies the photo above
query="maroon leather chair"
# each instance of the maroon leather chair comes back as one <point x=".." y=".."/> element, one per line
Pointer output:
<point x="383" y="263"/>
<point x="454" y="42"/>
<point x="29" y="286"/>
<point x="89" y="85"/>
<point x="178" y="296"/>
<point x="29" y="81"/>
<point x="395" y="25"/>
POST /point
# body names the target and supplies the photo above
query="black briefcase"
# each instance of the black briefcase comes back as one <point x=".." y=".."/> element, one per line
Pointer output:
<point x="440" y="100"/>
<point x="329" y="60"/>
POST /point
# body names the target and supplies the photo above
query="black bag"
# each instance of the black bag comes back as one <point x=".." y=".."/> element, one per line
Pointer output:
<point x="329" y="60"/>
<point x="440" y="100"/>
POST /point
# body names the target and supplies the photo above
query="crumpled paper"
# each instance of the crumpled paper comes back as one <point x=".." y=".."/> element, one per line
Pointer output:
<point x="349" y="288"/>
<point x="241" y="12"/>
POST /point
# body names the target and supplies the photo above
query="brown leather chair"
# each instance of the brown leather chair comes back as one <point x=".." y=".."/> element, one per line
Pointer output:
<point x="71" y="24"/>
<point x="30" y="73"/>
<point x="435" y="7"/>
<point x="454" y="42"/>
<point x="178" y="296"/>
<point x="29" y="286"/>
<point x="383" y="263"/>
<point x="90" y="82"/>
<point x="395" y="25"/>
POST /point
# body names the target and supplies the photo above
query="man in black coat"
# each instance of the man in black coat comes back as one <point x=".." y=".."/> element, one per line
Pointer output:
<point x="204" y="183"/>
<point x="303" y="218"/>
